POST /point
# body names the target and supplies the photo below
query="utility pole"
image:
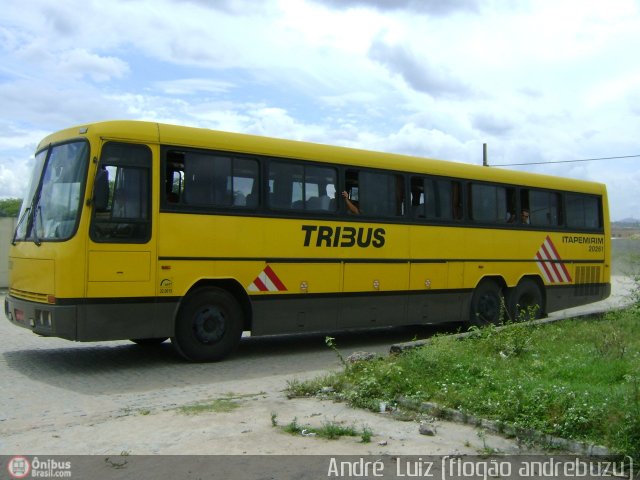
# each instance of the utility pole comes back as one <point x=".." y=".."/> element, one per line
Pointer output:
<point x="485" y="160"/>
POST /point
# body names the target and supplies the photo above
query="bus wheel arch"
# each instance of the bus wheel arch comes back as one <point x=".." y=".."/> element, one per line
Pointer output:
<point x="209" y="324"/>
<point x="527" y="300"/>
<point x="234" y="288"/>
<point x="487" y="302"/>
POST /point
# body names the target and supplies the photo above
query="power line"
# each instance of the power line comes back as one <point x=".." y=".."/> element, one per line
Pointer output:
<point x="565" y="161"/>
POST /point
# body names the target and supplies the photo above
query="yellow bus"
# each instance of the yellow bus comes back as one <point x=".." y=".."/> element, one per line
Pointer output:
<point x="145" y="231"/>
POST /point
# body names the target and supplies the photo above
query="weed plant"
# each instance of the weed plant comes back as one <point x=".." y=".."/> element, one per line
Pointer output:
<point x="576" y="379"/>
<point x="328" y="430"/>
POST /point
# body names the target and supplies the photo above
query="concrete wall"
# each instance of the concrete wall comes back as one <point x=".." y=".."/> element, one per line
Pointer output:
<point x="7" y="226"/>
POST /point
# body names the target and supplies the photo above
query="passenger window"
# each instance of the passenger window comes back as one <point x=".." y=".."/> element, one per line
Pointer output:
<point x="125" y="217"/>
<point x="302" y="187"/>
<point x="174" y="183"/>
<point x="285" y="182"/>
<point x="492" y="203"/>
<point x="376" y="194"/>
<point x="244" y="183"/>
<point x="543" y="208"/>
<point x="320" y="189"/>
<point x="583" y="211"/>
<point x="433" y="199"/>
<point x="206" y="180"/>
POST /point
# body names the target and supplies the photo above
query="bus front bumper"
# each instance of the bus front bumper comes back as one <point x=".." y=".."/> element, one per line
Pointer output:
<point x="41" y="318"/>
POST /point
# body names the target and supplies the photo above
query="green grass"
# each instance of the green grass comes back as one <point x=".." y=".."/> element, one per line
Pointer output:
<point x="328" y="430"/>
<point x="219" y="405"/>
<point x="575" y="379"/>
<point x="228" y="403"/>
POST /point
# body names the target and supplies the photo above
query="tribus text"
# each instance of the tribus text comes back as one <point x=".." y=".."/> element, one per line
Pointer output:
<point x="323" y="236"/>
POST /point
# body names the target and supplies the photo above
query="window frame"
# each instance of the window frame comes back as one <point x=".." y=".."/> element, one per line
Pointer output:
<point x="304" y="198"/>
<point x="497" y="221"/>
<point x="560" y="206"/>
<point x="181" y="206"/>
<point x="599" y="205"/>
<point x="397" y="178"/>
<point x="454" y="219"/>
<point x="464" y="218"/>
<point x="145" y="165"/>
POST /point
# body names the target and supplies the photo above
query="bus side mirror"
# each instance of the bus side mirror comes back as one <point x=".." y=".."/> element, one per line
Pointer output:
<point x="101" y="191"/>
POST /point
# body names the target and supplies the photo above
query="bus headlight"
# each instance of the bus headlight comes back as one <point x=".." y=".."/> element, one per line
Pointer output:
<point x="43" y="318"/>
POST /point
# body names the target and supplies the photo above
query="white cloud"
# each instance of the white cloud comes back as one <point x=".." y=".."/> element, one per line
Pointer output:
<point x="434" y="143"/>
<point x="613" y="90"/>
<point x="544" y="80"/>
<point x="492" y="124"/>
<point x="418" y="71"/>
<point x="432" y="7"/>
<point x="14" y="176"/>
<point x="622" y="189"/>
<point x="79" y="62"/>
<point x="192" y="86"/>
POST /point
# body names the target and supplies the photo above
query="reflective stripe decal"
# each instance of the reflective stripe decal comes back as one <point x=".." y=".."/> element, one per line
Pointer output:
<point x="267" y="281"/>
<point x="550" y="263"/>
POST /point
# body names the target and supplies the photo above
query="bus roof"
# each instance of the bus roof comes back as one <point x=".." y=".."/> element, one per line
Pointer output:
<point x="174" y="135"/>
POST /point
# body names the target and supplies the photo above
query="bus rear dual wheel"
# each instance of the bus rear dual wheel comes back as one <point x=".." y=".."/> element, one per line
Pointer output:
<point x="525" y="301"/>
<point x="489" y="306"/>
<point x="208" y="326"/>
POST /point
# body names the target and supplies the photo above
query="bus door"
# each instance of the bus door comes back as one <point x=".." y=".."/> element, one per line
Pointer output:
<point x="121" y="278"/>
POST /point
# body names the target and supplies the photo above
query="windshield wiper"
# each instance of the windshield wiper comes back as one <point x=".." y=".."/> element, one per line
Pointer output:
<point x="15" y="232"/>
<point x="36" y="215"/>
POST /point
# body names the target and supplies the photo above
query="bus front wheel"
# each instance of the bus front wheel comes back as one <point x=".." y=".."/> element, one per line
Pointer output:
<point x="208" y="325"/>
<point x="487" y="304"/>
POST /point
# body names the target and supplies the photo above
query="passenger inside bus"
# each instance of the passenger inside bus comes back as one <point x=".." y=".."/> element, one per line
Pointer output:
<point x="352" y="206"/>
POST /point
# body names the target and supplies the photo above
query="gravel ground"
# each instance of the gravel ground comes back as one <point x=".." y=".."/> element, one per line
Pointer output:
<point x="60" y="397"/>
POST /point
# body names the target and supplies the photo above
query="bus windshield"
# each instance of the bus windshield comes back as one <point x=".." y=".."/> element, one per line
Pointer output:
<point x="54" y="195"/>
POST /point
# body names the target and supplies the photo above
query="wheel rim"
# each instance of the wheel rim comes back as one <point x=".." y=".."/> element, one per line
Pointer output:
<point x="489" y="308"/>
<point x="209" y="324"/>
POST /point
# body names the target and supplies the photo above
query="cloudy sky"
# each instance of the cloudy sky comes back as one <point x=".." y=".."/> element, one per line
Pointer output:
<point x="537" y="80"/>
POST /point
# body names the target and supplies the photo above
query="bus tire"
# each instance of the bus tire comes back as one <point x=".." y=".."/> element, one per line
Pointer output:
<point x="208" y="325"/>
<point x="146" y="342"/>
<point x="526" y="301"/>
<point x="487" y="304"/>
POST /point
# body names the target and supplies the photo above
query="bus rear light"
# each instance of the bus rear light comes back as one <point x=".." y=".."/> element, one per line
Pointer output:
<point x="51" y="299"/>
